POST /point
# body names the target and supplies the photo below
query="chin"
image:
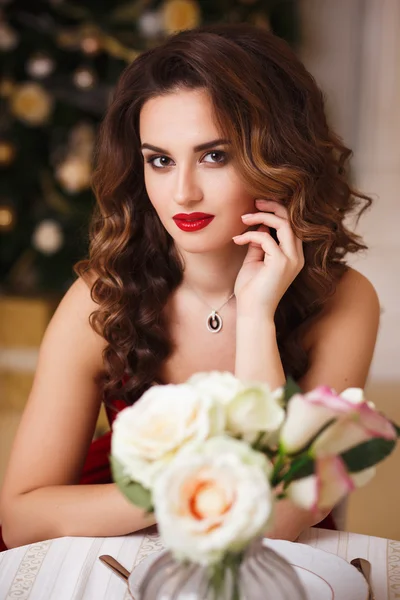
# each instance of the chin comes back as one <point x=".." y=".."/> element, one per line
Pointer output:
<point x="202" y="246"/>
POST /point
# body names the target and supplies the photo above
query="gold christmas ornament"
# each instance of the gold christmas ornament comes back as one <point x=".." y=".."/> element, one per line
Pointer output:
<point x="31" y="104"/>
<point x="7" y="218"/>
<point x="74" y="174"/>
<point x="48" y="237"/>
<point x="40" y="65"/>
<point x="7" y="153"/>
<point x="181" y="14"/>
<point x="84" y="78"/>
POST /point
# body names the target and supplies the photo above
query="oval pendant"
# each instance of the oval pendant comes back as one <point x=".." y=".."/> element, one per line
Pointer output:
<point x="214" y="322"/>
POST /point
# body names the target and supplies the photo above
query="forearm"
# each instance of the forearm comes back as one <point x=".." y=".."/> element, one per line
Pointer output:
<point x="290" y="520"/>
<point x="71" y="510"/>
<point x="257" y="354"/>
<point x="258" y="358"/>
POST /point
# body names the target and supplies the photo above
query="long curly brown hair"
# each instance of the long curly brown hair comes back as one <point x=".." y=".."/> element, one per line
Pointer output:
<point x="271" y="109"/>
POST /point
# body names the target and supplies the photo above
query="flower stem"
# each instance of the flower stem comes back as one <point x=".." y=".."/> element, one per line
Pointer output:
<point x="280" y="461"/>
<point x="236" y="585"/>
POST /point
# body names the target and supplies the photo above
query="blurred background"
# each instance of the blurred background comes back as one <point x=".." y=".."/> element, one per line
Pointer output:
<point x="59" y="61"/>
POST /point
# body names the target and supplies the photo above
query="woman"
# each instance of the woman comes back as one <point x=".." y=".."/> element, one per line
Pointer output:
<point x="218" y="243"/>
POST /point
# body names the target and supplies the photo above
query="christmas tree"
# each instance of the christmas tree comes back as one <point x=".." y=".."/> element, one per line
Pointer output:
<point x="59" y="62"/>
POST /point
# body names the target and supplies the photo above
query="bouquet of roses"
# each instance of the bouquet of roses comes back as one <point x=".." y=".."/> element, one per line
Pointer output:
<point x="206" y="455"/>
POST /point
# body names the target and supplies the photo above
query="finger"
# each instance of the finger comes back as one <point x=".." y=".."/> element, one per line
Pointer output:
<point x="255" y="252"/>
<point x="286" y="237"/>
<point x="262" y="245"/>
<point x="272" y="206"/>
<point x="280" y="211"/>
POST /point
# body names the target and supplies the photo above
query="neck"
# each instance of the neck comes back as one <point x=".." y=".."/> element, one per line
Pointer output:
<point x="212" y="275"/>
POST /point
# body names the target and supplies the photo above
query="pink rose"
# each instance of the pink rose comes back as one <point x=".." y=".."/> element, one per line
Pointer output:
<point x="327" y="485"/>
<point x="354" y="420"/>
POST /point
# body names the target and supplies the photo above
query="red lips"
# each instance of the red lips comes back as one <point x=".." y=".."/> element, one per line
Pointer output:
<point x="192" y="216"/>
<point x="192" y="221"/>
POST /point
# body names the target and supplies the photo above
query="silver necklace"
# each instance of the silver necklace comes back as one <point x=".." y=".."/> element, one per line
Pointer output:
<point x="214" y="320"/>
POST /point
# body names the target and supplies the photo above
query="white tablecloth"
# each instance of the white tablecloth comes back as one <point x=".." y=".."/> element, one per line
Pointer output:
<point x="68" y="568"/>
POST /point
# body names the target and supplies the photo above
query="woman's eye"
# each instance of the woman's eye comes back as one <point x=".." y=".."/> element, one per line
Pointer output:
<point x="217" y="156"/>
<point x="214" y="157"/>
<point x="163" y="161"/>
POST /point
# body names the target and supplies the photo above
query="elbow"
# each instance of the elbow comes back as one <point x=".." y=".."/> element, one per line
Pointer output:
<point x="9" y="533"/>
<point x="15" y="530"/>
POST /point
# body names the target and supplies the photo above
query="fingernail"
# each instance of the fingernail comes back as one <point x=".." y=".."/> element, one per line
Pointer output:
<point x="248" y="216"/>
<point x="260" y="201"/>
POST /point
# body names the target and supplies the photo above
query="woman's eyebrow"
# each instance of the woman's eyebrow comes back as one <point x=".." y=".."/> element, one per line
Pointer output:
<point x="198" y="148"/>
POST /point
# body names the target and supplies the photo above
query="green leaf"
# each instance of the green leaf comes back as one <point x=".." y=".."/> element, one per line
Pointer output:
<point x="291" y="388"/>
<point x="133" y="490"/>
<point x="367" y="454"/>
<point x="281" y="496"/>
<point x="302" y="467"/>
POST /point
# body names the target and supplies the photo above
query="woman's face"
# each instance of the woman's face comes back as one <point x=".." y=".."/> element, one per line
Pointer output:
<point x="189" y="169"/>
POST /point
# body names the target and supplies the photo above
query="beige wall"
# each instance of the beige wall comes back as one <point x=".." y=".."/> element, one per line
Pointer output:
<point x="353" y="49"/>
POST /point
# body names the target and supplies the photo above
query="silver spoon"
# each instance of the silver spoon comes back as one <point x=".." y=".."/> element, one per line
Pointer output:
<point x="364" y="567"/>
<point x="115" y="566"/>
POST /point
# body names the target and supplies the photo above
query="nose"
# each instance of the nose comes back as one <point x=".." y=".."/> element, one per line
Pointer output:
<point x="187" y="188"/>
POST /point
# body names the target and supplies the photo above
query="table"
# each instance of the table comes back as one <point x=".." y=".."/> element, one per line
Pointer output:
<point x="67" y="568"/>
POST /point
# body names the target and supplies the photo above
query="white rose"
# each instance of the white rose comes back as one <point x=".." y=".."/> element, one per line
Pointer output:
<point x="221" y="385"/>
<point x="254" y="410"/>
<point x="147" y="434"/>
<point x="213" y="497"/>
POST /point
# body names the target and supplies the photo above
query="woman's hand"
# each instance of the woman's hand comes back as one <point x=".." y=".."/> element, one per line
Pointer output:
<point x="269" y="268"/>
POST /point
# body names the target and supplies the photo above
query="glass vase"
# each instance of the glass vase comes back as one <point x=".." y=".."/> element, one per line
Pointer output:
<point x="259" y="573"/>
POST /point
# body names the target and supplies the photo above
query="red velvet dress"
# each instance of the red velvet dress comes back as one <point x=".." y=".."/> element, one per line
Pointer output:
<point x="97" y="467"/>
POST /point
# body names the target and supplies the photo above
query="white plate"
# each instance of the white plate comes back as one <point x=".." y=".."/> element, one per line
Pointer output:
<point x="324" y="576"/>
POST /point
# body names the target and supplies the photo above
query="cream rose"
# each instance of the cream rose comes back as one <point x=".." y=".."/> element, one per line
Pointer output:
<point x="255" y="410"/>
<point x="212" y="498"/>
<point x="148" y="434"/>
<point x="221" y="385"/>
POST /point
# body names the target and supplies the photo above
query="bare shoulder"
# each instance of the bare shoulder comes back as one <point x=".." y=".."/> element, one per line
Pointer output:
<point x="341" y="340"/>
<point x="357" y="289"/>
<point x="70" y="326"/>
<point x="354" y="295"/>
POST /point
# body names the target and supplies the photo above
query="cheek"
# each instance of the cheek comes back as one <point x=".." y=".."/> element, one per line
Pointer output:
<point x="240" y="203"/>
<point x="234" y="194"/>
<point x="156" y="191"/>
